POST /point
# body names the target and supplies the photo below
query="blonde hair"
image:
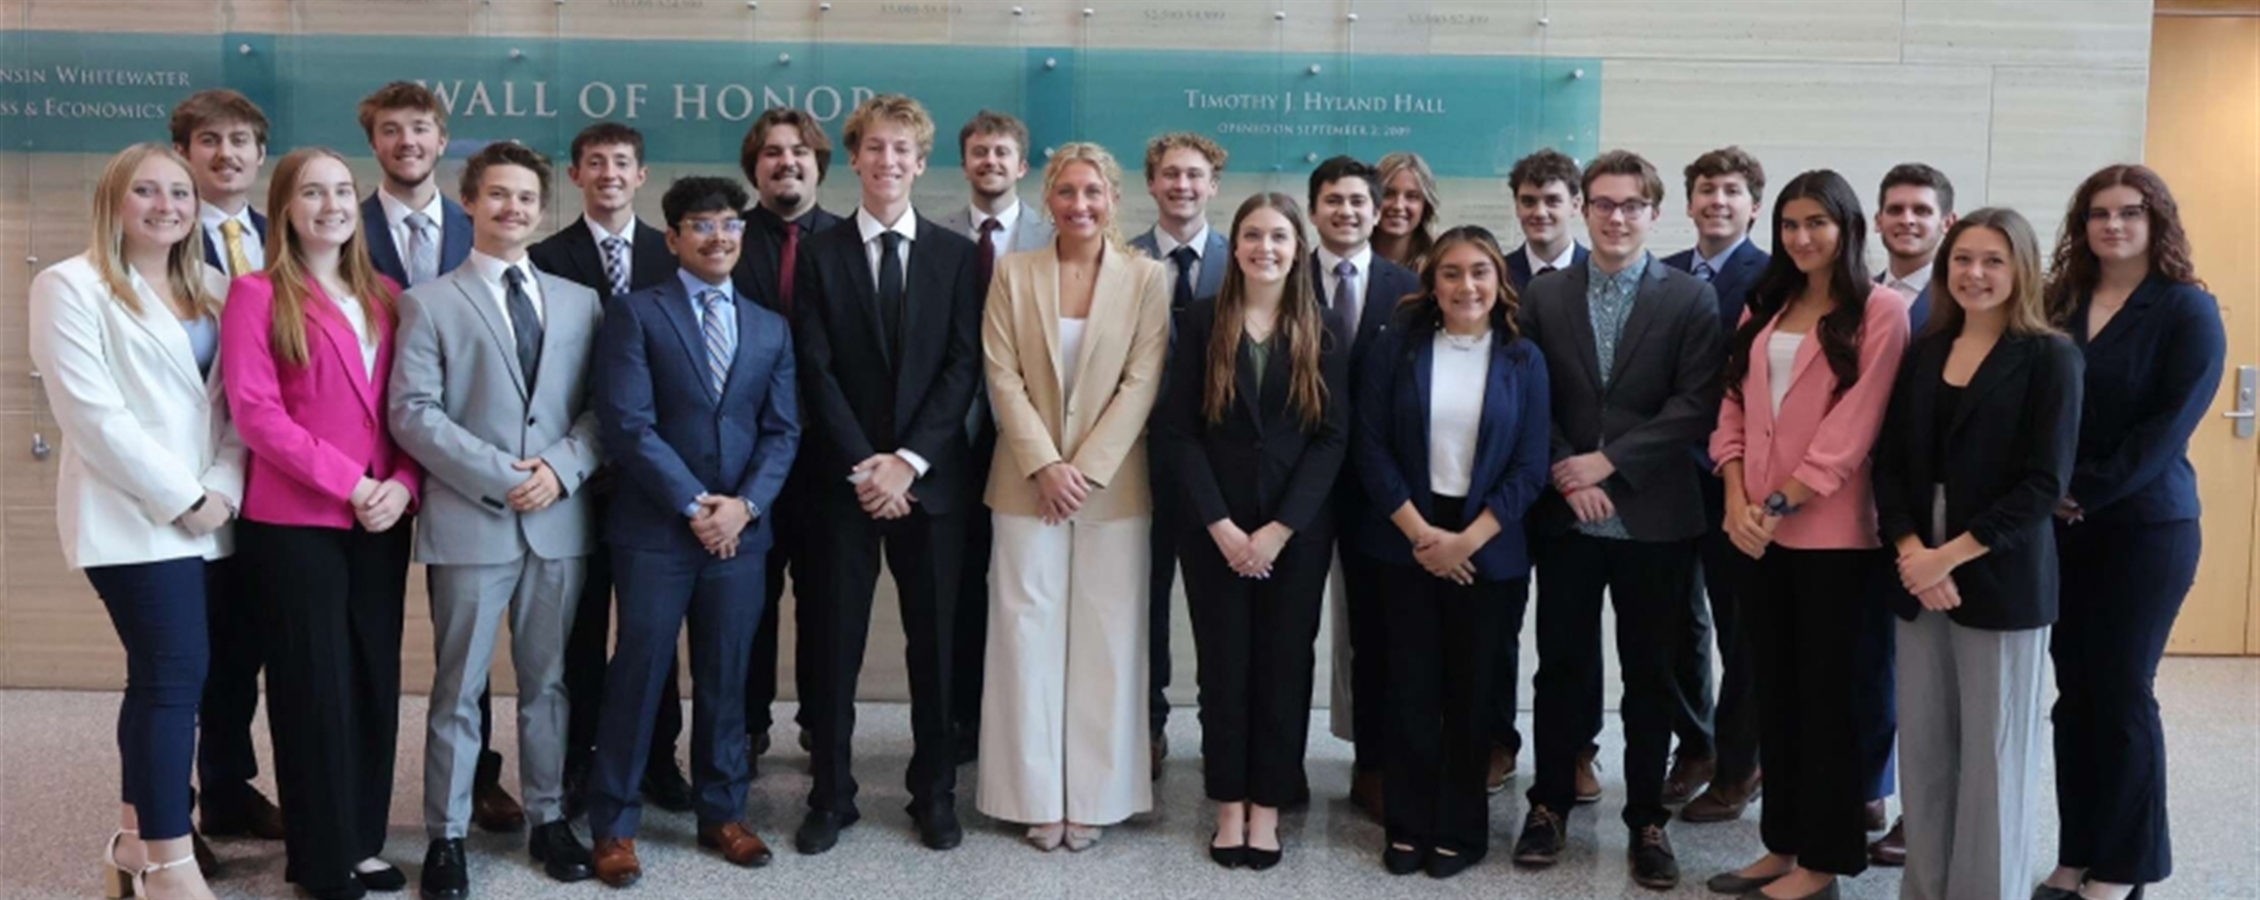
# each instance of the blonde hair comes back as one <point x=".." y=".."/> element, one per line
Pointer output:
<point x="286" y="263"/>
<point x="106" y="249"/>
<point x="894" y="108"/>
<point x="1431" y="201"/>
<point x="1110" y="171"/>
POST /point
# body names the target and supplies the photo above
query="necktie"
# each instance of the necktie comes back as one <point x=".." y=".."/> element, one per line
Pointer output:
<point x="1345" y="286"/>
<point x="787" y="259"/>
<point x="890" y="290"/>
<point x="616" y="265"/>
<point x="718" y="345"/>
<point x="1185" y="259"/>
<point x="423" y="249"/>
<point x="525" y="323"/>
<point x="988" y="266"/>
<point x="1703" y="271"/>
<point x="1545" y="269"/>
<point x="231" y="235"/>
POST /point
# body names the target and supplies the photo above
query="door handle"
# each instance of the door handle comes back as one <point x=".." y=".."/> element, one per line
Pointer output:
<point x="2244" y="415"/>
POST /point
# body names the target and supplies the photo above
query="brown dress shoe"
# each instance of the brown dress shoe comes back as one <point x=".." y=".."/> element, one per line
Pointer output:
<point x="1891" y="849"/>
<point x="1502" y="769"/>
<point x="738" y="845"/>
<point x="1365" y="792"/>
<point x="492" y="808"/>
<point x="616" y="863"/>
<point x="1588" y="776"/>
<point x="1688" y="777"/>
<point x="1876" y="815"/>
<point x="1723" y="801"/>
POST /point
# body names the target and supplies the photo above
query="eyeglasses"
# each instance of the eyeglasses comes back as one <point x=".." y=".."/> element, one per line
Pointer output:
<point x="2129" y="214"/>
<point x="707" y="227"/>
<point x="1632" y="209"/>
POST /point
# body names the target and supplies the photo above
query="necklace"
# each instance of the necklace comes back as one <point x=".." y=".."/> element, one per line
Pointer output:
<point x="1466" y="341"/>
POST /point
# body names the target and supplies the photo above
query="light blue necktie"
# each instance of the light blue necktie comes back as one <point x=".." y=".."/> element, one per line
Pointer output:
<point x="423" y="251"/>
<point x="719" y="347"/>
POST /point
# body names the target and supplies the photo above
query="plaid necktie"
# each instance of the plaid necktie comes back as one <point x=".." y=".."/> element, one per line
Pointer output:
<point x="616" y="264"/>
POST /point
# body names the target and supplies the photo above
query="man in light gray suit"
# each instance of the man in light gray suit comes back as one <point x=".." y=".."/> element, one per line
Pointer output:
<point x="995" y="151"/>
<point x="489" y="392"/>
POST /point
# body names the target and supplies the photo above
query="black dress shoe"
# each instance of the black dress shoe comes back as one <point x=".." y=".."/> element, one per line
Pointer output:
<point x="1654" y="866"/>
<point x="560" y="853"/>
<point x="248" y="814"/>
<point x="821" y="830"/>
<point x="446" y="875"/>
<point x="937" y="826"/>
<point x="665" y="787"/>
<point x="348" y="889"/>
<point x="1402" y="861"/>
<point x="385" y="880"/>
<point x="206" y="860"/>
<point x="2044" y="891"/>
<point x="1446" y="865"/>
<point x="761" y="743"/>
<point x="1228" y="857"/>
<point x="1541" y="840"/>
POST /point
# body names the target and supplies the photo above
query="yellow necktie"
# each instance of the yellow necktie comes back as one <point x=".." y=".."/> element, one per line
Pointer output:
<point x="231" y="235"/>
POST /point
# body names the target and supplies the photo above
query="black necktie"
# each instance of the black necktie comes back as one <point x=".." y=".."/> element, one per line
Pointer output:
<point x="1543" y="270"/>
<point x="987" y="268"/>
<point x="525" y="323"/>
<point x="1185" y="258"/>
<point x="890" y="290"/>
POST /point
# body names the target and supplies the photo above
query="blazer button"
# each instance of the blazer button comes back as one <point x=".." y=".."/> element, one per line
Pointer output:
<point x="368" y="421"/>
<point x="529" y="421"/>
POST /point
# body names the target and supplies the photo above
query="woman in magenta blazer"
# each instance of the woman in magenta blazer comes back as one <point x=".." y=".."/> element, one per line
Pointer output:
<point x="1808" y="378"/>
<point x="307" y="347"/>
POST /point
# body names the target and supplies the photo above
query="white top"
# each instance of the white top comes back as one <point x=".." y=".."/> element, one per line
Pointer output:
<point x="1456" y="379"/>
<point x="396" y="220"/>
<point x="254" y="250"/>
<point x="1008" y="225"/>
<point x="1362" y="261"/>
<point x="1781" y="363"/>
<point x="493" y="272"/>
<point x="1911" y="286"/>
<point x="352" y="309"/>
<point x="1530" y="255"/>
<point x="1165" y="244"/>
<point x="1070" y="352"/>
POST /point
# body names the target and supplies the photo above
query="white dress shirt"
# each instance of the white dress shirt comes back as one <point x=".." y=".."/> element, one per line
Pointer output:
<point x="1362" y="261"/>
<point x="254" y="249"/>
<point x="1008" y="225"/>
<point x="1911" y="286"/>
<point x="492" y="271"/>
<point x="871" y="228"/>
<point x="1530" y="255"/>
<point x="351" y="309"/>
<point x="1165" y="244"/>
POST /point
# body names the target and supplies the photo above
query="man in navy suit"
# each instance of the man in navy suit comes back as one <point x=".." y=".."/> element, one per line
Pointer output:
<point x="698" y="406"/>
<point x="785" y="156"/>
<point x="224" y="137"/>
<point x="416" y="233"/>
<point x="1914" y="208"/>
<point x="1718" y="739"/>
<point x="610" y="251"/>
<point x="1183" y="172"/>
<point x="1546" y="203"/>
<point x="1363" y="289"/>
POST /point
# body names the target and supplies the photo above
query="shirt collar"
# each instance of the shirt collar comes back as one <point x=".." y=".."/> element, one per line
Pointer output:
<point x="396" y="212"/>
<point x="211" y="217"/>
<point x="1913" y="285"/>
<point x="1361" y="260"/>
<point x="1718" y="263"/>
<point x="693" y="285"/>
<point x="1530" y="255"/>
<point x="1007" y="220"/>
<point x="627" y="234"/>
<point x="868" y="225"/>
<point x="1168" y="244"/>
<point x="492" y="270"/>
<point x="1626" y="279"/>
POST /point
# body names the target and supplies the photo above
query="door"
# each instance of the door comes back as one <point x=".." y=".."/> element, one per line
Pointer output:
<point x="2204" y="138"/>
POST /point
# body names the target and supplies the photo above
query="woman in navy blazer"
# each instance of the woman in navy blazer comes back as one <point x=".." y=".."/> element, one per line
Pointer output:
<point x="1975" y="451"/>
<point x="2125" y="290"/>
<point x="1450" y="440"/>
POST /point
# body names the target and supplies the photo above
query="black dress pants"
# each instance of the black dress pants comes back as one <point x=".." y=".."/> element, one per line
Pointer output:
<point x="2123" y="585"/>
<point x="331" y="600"/>
<point x="225" y="764"/>
<point x="1648" y="583"/>
<point x="761" y="672"/>
<point x="588" y="648"/>
<point x="1725" y="725"/>
<point x="1371" y="720"/>
<point x="923" y="553"/>
<point x="1441" y="638"/>
<point x="1255" y="641"/>
<point x="969" y="646"/>
<point x="1809" y="610"/>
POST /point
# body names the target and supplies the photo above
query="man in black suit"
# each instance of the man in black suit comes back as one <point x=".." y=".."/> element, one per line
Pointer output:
<point x="1362" y="288"/>
<point x="785" y="155"/>
<point x="1633" y="352"/>
<point x="1546" y="203"/>
<point x="1715" y="769"/>
<point x="224" y="137"/>
<point x="889" y="328"/>
<point x="609" y="251"/>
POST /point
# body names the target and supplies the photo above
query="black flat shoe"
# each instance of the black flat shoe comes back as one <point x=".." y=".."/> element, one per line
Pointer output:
<point x="349" y="889"/>
<point x="385" y="880"/>
<point x="1259" y="859"/>
<point x="1737" y="885"/>
<point x="1827" y="892"/>
<point x="1446" y="865"/>
<point x="1228" y="857"/>
<point x="1402" y="861"/>
<point x="2043" y="891"/>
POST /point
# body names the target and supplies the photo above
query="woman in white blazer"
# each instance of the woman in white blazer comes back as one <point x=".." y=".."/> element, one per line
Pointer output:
<point x="1074" y="335"/>
<point x="126" y="336"/>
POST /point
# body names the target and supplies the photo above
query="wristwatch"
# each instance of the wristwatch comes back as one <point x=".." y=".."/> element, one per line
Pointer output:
<point x="1777" y="504"/>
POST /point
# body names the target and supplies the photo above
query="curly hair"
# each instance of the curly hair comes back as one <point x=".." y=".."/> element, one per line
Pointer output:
<point x="2074" y="270"/>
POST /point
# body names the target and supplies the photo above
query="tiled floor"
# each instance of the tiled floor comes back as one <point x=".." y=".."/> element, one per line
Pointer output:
<point x="57" y="771"/>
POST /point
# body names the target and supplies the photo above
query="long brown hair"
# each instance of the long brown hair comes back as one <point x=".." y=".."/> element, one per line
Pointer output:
<point x="1782" y="283"/>
<point x="2027" y="315"/>
<point x="2075" y="270"/>
<point x="286" y="267"/>
<point x="1423" y="307"/>
<point x="1300" y="321"/>
<point x="106" y="248"/>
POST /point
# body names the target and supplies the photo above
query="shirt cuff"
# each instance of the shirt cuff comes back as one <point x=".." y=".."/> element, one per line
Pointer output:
<point x="917" y="463"/>
<point x="690" y="510"/>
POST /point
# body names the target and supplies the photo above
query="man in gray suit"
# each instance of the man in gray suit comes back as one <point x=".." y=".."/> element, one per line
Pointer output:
<point x="489" y="393"/>
<point x="1633" y="350"/>
<point x="995" y="151"/>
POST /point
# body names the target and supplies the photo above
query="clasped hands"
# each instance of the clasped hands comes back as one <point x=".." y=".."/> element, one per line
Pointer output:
<point x="1448" y="555"/>
<point x="882" y="485"/>
<point x="719" y="523"/>
<point x="1250" y="555"/>
<point x="378" y="505"/>
<point x="539" y="490"/>
<point x="1926" y="573"/>
<point x="205" y="519"/>
<point x="1579" y="478"/>
<point x="1062" y="490"/>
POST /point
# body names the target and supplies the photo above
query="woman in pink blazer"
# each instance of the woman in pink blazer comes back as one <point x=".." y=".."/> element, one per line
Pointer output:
<point x="1808" y="378"/>
<point x="307" y="346"/>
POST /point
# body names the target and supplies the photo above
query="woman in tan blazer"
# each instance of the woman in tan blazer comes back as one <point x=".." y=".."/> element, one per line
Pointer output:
<point x="1074" y="335"/>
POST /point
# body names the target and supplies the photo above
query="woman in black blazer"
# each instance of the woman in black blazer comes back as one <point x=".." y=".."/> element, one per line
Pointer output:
<point x="1450" y="440"/>
<point x="1975" y="453"/>
<point x="2124" y="289"/>
<point x="1254" y="426"/>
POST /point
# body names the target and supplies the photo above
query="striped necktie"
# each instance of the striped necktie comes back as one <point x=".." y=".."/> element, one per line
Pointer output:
<point x="231" y="235"/>
<point x="719" y="346"/>
<point x="616" y="265"/>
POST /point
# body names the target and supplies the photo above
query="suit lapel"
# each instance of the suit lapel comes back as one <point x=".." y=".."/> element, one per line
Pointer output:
<point x="377" y="230"/>
<point x="586" y="257"/>
<point x="1047" y="312"/>
<point x="1581" y="325"/>
<point x="741" y="365"/>
<point x="455" y="235"/>
<point x="918" y="305"/>
<point x="338" y="333"/>
<point x="1493" y="420"/>
<point x="1245" y="392"/>
<point x="2009" y="355"/>
<point x="474" y="291"/>
<point x="675" y="304"/>
<point x="1110" y="291"/>
<point x="167" y="331"/>
<point x="2122" y="322"/>
<point x="653" y="262"/>
<point x="1644" y="303"/>
<point x="1215" y="258"/>
<point x="866" y="288"/>
<point x="557" y="330"/>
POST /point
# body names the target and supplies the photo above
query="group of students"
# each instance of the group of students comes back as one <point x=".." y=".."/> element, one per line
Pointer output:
<point x="1782" y="451"/>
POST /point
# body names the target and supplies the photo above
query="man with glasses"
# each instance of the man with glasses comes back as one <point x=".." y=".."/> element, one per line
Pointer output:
<point x="1633" y="351"/>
